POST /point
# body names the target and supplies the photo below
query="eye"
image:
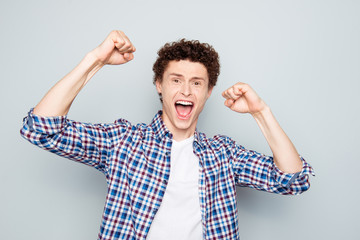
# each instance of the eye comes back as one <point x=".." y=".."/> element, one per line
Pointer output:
<point x="197" y="83"/>
<point x="176" y="80"/>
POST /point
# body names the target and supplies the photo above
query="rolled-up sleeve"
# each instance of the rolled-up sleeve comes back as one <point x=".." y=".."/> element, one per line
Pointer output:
<point x="256" y="170"/>
<point x="82" y="142"/>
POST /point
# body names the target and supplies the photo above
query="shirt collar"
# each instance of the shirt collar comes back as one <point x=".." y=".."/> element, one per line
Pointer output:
<point x="199" y="138"/>
<point x="159" y="127"/>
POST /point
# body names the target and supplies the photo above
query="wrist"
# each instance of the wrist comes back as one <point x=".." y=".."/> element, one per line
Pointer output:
<point x="263" y="113"/>
<point x="92" y="58"/>
<point x="90" y="65"/>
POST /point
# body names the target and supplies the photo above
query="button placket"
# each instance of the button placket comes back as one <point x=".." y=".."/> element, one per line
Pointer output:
<point x="168" y="156"/>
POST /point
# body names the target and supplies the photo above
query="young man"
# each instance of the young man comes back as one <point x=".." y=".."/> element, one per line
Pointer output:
<point x="166" y="180"/>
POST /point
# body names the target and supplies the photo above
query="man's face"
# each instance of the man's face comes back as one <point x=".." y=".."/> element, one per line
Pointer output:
<point x="184" y="89"/>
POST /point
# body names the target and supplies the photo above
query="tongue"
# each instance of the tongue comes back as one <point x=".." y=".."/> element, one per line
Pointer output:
<point x="183" y="110"/>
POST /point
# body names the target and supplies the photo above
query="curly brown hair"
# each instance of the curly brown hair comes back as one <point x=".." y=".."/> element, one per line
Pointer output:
<point x="191" y="50"/>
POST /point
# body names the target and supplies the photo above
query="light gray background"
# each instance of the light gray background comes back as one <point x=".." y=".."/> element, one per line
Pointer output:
<point x="302" y="57"/>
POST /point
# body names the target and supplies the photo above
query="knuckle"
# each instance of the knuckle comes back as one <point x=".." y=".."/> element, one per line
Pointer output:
<point x="121" y="41"/>
<point x="114" y="32"/>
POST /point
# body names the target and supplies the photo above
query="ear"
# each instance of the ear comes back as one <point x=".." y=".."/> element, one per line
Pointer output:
<point x="158" y="86"/>
<point x="209" y="92"/>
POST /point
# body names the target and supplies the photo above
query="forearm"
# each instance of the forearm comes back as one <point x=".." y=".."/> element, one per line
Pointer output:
<point x="285" y="155"/>
<point x="59" y="98"/>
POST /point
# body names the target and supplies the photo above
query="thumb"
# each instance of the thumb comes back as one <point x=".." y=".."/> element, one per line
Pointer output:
<point x="128" y="56"/>
<point x="229" y="102"/>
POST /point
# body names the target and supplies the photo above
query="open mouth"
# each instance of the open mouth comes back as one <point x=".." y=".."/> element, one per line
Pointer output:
<point x="183" y="108"/>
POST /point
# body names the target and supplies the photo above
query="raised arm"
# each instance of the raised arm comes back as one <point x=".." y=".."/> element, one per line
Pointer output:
<point x="116" y="49"/>
<point x="243" y="99"/>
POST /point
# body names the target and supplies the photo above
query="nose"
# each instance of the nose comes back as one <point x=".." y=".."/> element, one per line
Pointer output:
<point x="186" y="89"/>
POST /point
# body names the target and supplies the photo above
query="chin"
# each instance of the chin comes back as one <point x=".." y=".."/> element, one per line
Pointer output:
<point x="185" y="124"/>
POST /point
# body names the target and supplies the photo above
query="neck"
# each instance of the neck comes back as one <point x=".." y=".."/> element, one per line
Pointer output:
<point x="179" y="136"/>
<point x="179" y="133"/>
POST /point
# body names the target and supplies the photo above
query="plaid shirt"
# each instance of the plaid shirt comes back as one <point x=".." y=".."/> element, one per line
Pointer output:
<point x="136" y="163"/>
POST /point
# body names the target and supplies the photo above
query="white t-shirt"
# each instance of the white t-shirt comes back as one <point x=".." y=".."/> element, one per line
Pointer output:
<point x="179" y="214"/>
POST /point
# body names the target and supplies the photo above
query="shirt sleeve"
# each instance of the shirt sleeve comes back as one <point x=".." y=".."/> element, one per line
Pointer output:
<point x="82" y="142"/>
<point x="256" y="170"/>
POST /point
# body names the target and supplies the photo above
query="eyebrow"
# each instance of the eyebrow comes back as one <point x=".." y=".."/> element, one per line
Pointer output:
<point x="180" y="75"/>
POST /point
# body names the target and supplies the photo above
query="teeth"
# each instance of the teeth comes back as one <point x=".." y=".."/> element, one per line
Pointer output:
<point x="184" y="103"/>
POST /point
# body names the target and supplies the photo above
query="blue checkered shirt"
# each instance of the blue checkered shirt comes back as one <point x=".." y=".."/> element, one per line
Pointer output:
<point x="135" y="160"/>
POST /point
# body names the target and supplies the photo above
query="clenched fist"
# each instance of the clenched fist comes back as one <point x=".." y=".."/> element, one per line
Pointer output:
<point x="243" y="99"/>
<point x="116" y="49"/>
